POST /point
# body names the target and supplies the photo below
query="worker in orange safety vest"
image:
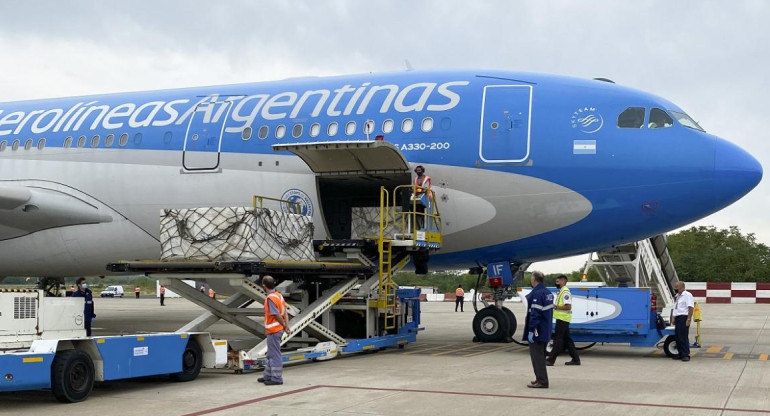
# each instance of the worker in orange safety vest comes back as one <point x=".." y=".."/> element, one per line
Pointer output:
<point x="460" y="297"/>
<point x="276" y="324"/>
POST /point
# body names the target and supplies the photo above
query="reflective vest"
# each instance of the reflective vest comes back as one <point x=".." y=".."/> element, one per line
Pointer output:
<point x="561" y="314"/>
<point x="211" y="293"/>
<point x="271" y="324"/>
<point x="162" y="290"/>
<point x="137" y="290"/>
<point x="422" y="182"/>
<point x="459" y="292"/>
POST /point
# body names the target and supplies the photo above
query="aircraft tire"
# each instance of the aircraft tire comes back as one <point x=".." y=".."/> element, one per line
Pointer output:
<point x="192" y="361"/>
<point x="72" y="376"/>
<point x="491" y="325"/>
<point x="511" y="321"/>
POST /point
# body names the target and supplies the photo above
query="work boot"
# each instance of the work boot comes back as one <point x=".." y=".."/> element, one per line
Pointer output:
<point x="549" y="364"/>
<point x="573" y="362"/>
<point x="537" y="385"/>
<point x="261" y="379"/>
<point x="273" y="383"/>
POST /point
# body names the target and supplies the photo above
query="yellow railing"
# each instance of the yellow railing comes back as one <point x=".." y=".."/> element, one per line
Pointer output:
<point x="414" y="219"/>
<point x="259" y="202"/>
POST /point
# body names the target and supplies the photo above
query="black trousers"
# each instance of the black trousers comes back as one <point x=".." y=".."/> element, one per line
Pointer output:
<point x="561" y="341"/>
<point x="682" y="332"/>
<point x="137" y="295"/>
<point x="537" y="354"/>
<point x="162" y="299"/>
<point x="87" y="325"/>
<point x="459" y="301"/>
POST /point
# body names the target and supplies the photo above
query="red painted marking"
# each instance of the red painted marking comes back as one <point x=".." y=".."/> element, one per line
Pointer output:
<point x="460" y="393"/>
<point x="558" y="399"/>
<point x="247" y="402"/>
<point x="718" y="300"/>
<point x="718" y="285"/>
<point x="763" y="300"/>
<point x="698" y="293"/>
<point x="743" y="293"/>
<point x="763" y="286"/>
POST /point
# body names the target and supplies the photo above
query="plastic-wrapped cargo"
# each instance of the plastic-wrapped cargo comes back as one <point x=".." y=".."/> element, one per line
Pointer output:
<point x="235" y="234"/>
<point x="365" y="222"/>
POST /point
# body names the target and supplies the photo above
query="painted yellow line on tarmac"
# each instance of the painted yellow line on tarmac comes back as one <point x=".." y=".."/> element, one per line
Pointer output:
<point x="458" y="349"/>
<point x="429" y="349"/>
<point x="715" y="349"/>
<point x="487" y="351"/>
<point x="728" y="356"/>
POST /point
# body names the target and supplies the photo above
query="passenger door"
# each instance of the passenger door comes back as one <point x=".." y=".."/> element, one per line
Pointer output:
<point x="203" y="140"/>
<point x="504" y="134"/>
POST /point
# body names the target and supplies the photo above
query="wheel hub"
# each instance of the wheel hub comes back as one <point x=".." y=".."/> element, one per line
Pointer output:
<point x="489" y="325"/>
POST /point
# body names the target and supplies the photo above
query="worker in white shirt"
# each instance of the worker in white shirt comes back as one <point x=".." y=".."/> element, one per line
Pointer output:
<point x="682" y="317"/>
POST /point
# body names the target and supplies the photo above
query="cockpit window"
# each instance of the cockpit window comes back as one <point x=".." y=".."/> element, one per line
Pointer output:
<point x="631" y="118"/>
<point x="686" y="121"/>
<point x="659" y="119"/>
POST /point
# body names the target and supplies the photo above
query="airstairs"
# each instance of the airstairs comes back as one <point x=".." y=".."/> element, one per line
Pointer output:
<point x="645" y="263"/>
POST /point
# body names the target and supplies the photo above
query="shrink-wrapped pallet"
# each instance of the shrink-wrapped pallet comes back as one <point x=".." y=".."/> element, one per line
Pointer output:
<point x="365" y="222"/>
<point x="235" y="234"/>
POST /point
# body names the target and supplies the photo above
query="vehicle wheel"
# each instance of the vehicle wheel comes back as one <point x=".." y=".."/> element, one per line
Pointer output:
<point x="511" y="320"/>
<point x="491" y="324"/>
<point x="669" y="347"/>
<point x="192" y="361"/>
<point x="72" y="376"/>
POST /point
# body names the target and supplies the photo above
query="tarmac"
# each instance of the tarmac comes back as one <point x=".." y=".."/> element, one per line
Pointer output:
<point x="444" y="373"/>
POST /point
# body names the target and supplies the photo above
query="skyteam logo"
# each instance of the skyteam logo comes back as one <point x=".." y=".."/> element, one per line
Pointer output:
<point x="297" y="201"/>
<point x="587" y="120"/>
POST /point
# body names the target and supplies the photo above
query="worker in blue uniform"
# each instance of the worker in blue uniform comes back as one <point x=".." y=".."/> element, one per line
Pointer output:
<point x="88" y="312"/>
<point x="537" y="328"/>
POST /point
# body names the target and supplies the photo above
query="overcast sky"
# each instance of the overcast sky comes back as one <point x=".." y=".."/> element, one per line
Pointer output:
<point x="709" y="57"/>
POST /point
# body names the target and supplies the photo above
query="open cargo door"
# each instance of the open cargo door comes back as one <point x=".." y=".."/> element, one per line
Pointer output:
<point x="349" y="175"/>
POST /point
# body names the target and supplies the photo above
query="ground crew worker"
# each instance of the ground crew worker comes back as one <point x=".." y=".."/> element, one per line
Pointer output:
<point x="212" y="294"/>
<point x="88" y="310"/>
<point x="682" y="317"/>
<point x="421" y="194"/>
<point x="459" y="297"/>
<point x="537" y="328"/>
<point x="162" y="295"/>
<point x="562" y="312"/>
<point x="276" y="323"/>
<point x="137" y="291"/>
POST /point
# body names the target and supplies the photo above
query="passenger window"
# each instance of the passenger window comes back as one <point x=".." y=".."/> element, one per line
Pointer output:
<point x="68" y="142"/>
<point x="95" y="141"/>
<point x="333" y="128"/>
<point x="123" y="139"/>
<point x="246" y="133"/>
<point x="315" y="130"/>
<point x="28" y="144"/>
<point x="109" y="140"/>
<point x="296" y="131"/>
<point x="138" y="139"/>
<point x="387" y="126"/>
<point x="368" y="127"/>
<point x="41" y="144"/>
<point x="280" y="131"/>
<point x="168" y="137"/>
<point x="427" y="124"/>
<point x="631" y="118"/>
<point x="81" y="141"/>
<point x="659" y="119"/>
<point x="15" y="145"/>
<point x="3" y="145"/>
<point x="406" y="125"/>
<point x="350" y="128"/>
<point x="263" y="131"/>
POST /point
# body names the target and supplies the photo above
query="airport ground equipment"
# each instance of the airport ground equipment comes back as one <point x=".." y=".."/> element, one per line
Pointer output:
<point x="340" y="292"/>
<point x="43" y="346"/>
<point x="646" y="263"/>
<point x="617" y="315"/>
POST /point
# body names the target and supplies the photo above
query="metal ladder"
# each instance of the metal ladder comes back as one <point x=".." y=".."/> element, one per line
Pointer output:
<point x="387" y="287"/>
<point x="645" y="263"/>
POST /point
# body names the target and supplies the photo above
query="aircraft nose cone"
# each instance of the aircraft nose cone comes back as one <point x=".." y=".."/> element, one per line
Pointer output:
<point x="736" y="173"/>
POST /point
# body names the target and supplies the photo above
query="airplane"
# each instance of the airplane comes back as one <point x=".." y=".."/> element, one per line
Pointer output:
<point x="527" y="167"/>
